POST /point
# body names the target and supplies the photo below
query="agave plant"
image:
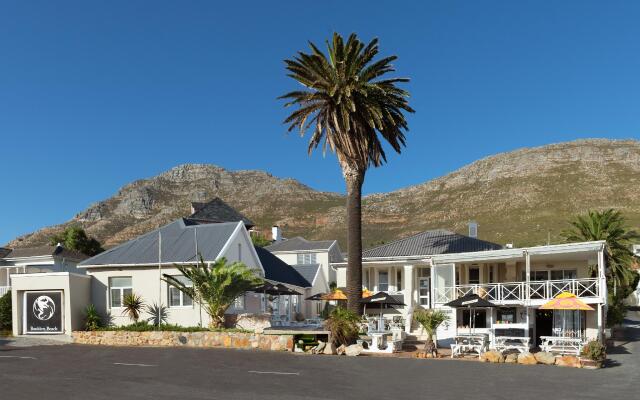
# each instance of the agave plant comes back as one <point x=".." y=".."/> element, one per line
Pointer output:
<point x="158" y="314"/>
<point x="133" y="305"/>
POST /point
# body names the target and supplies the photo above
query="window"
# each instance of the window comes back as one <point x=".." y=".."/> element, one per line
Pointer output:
<point x="365" y="279"/>
<point x="307" y="258"/>
<point x="238" y="303"/>
<point x="478" y="318"/>
<point x="383" y="281"/>
<point x="176" y="297"/>
<point x="474" y="275"/>
<point x="118" y="289"/>
<point x="399" y="280"/>
<point x="564" y="274"/>
<point x="506" y="315"/>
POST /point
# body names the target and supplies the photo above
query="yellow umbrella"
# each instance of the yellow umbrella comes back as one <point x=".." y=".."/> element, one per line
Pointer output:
<point x="335" y="295"/>
<point x="366" y="293"/>
<point x="566" y="301"/>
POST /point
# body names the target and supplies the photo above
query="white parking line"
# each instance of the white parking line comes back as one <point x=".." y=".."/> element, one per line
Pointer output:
<point x="21" y="357"/>
<point x="135" y="365"/>
<point x="274" y="372"/>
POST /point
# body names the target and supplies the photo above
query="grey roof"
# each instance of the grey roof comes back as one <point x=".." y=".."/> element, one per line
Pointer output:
<point x="430" y="243"/>
<point x="40" y="251"/>
<point x="4" y="251"/>
<point x="308" y="271"/>
<point x="178" y="244"/>
<point x="218" y="211"/>
<point x="300" y="244"/>
<point x="277" y="270"/>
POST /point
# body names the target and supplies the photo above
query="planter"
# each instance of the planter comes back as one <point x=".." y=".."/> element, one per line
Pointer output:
<point x="590" y="364"/>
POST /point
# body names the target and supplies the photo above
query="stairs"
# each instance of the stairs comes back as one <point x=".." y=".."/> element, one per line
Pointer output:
<point x="413" y="342"/>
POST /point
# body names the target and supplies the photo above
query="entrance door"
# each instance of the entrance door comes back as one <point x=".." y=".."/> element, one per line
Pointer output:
<point x="544" y="324"/>
<point x="424" y="289"/>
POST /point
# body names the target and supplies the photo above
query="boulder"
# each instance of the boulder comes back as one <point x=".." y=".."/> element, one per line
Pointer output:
<point x="568" y="361"/>
<point x="341" y="350"/>
<point x="354" y="350"/>
<point x="330" y="349"/>
<point x="511" y="358"/>
<point x="544" y="357"/>
<point x="492" y="356"/>
<point x="320" y="347"/>
<point x="527" y="359"/>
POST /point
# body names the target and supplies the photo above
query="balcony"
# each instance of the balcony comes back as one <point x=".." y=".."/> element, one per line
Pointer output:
<point x="535" y="292"/>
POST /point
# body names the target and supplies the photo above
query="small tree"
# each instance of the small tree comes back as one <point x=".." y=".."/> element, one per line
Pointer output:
<point x="75" y="238"/>
<point x="343" y="325"/>
<point x="133" y="306"/>
<point x="430" y="320"/>
<point x="5" y="312"/>
<point x="259" y="240"/>
<point x="92" y="320"/>
<point x="215" y="286"/>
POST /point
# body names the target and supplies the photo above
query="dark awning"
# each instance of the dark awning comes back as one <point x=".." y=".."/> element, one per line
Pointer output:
<point x="470" y="301"/>
<point x="382" y="298"/>
<point x="317" y="296"/>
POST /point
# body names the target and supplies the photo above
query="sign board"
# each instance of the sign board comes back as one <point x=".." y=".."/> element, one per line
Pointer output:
<point x="42" y="313"/>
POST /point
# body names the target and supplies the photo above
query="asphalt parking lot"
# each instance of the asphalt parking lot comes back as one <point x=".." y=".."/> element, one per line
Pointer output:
<point x="71" y="371"/>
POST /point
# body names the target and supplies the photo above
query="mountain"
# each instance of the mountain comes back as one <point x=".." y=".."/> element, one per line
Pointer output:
<point x="523" y="196"/>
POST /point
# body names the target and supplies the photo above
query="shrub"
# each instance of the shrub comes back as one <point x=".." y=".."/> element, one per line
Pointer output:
<point x="5" y="312"/>
<point x="594" y="350"/>
<point x="344" y="326"/>
<point x="158" y="312"/>
<point x="133" y="306"/>
<point x="92" y="320"/>
<point x="144" y="326"/>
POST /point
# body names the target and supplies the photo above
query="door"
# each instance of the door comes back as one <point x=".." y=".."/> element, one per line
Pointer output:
<point x="544" y="324"/>
<point x="424" y="290"/>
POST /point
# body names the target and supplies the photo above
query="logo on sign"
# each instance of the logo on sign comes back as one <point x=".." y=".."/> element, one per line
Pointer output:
<point x="44" y="308"/>
<point x="464" y="303"/>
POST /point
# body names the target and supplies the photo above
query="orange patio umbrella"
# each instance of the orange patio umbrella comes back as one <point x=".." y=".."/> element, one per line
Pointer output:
<point x="566" y="301"/>
<point x="340" y="295"/>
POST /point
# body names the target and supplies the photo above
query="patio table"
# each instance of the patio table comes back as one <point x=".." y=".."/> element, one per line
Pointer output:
<point x="469" y="343"/>
<point x="502" y="343"/>
<point x="561" y="344"/>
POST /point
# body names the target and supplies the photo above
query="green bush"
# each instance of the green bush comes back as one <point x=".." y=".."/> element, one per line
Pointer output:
<point x="144" y="326"/>
<point x="594" y="350"/>
<point x="616" y="310"/>
<point x="5" y="312"/>
<point x="344" y="326"/>
<point x="92" y="320"/>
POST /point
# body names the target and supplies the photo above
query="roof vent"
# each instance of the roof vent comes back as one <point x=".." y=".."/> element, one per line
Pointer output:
<point x="473" y="229"/>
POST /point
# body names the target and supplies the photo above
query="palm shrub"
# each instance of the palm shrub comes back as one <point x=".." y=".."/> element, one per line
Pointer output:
<point x="430" y="320"/>
<point x="133" y="305"/>
<point x="92" y="320"/>
<point x="344" y="326"/>
<point x="158" y="314"/>
<point x="215" y="286"/>
<point x="5" y="312"/>
<point x="351" y="108"/>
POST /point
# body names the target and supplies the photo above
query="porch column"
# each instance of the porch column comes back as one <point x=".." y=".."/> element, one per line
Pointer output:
<point x="601" y="337"/>
<point x="602" y="280"/>
<point x="527" y="261"/>
<point x="407" y="291"/>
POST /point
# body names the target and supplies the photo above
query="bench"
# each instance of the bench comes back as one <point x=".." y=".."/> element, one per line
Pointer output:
<point x="561" y="344"/>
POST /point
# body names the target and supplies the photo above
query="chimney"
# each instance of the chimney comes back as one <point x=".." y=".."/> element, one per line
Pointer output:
<point x="509" y="245"/>
<point x="276" y="234"/>
<point x="473" y="229"/>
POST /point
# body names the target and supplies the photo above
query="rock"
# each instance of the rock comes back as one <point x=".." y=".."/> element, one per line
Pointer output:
<point x="544" y="357"/>
<point x="492" y="356"/>
<point x="527" y="359"/>
<point x="320" y="347"/>
<point x="341" y="350"/>
<point x="511" y="358"/>
<point x="354" y="350"/>
<point x="330" y="349"/>
<point x="568" y="361"/>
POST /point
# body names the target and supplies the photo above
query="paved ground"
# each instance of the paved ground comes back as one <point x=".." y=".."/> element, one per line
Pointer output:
<point x="72" y="371"/>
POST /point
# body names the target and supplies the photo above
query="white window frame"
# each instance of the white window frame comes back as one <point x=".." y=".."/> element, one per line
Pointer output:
<point x="380" y="283"/>
<point x="306" y="258"/>
<point x="121" y="290"/>
<point x="182" y="296"/>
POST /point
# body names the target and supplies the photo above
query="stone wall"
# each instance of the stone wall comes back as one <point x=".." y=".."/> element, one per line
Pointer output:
<point x="235" y="340"/>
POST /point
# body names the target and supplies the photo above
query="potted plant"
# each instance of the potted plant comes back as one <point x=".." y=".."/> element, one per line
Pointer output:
<point x="593" y="354"/>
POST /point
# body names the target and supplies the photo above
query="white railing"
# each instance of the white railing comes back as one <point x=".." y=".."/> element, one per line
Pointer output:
<point x="4" y="290"/>
<point x="519" y="292"/>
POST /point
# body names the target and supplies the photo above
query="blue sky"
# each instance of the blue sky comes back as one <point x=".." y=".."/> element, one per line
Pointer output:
<point x="96" y="94"/>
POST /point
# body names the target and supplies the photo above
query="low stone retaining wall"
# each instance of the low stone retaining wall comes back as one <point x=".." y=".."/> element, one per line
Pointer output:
<point x="235" y="340"/>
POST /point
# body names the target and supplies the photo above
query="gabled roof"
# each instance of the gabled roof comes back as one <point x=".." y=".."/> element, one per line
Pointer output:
<point x="178" y="244"/>
<point x="308" y="271"/>
<point x="42" y="251"/>
<point x="430" y="243"/>
<point x="299" y="243"/>
<point x="4" y="251"/>
<point x="217" y="210"/>
<point x="277" y="270"/>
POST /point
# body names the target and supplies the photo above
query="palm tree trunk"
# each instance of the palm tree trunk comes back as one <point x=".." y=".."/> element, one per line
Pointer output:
<point x="354" y="178"/>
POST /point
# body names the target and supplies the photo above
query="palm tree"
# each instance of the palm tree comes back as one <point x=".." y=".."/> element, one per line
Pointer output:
<point x="351" y="110"/>
<point x="430" y="321"/>
<point x="216" y="286"/>
<point x="132" y="306"/>
<point x="608" y="225"/>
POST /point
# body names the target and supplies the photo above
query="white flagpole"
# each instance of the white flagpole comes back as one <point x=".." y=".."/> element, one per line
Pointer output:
<point x="159" y="276"/>
<point x="195" y="235"/>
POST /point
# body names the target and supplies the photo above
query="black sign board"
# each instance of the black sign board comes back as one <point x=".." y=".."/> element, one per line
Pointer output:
<point x="43" y="312"/>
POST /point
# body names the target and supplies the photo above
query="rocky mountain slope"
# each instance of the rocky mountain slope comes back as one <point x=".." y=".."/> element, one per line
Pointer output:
<point x="524" y="196"/>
